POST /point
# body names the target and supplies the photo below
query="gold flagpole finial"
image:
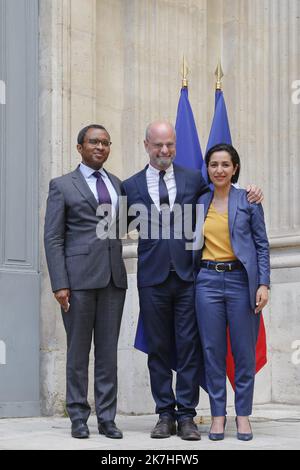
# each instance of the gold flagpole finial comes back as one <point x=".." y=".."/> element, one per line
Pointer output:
<point x="185" y="72"/>
<point x="219" y="74"/>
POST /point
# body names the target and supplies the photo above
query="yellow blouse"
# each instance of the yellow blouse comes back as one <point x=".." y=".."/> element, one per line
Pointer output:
<point x="217" y="244"/>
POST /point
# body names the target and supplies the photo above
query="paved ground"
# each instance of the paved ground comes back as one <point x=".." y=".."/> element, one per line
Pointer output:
<point x="275" y="427"/>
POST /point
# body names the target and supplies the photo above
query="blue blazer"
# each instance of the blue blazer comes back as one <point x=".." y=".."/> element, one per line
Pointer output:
<point x="248" y="238"/>
<point x="155" y="255"/>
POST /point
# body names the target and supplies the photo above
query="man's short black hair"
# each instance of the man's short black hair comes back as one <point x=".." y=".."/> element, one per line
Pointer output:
<point x="235" y="158"/>
<point x="82" y="133"/>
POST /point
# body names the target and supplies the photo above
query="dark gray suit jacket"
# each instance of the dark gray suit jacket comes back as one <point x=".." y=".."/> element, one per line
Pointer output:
<point x="77" y="259"/>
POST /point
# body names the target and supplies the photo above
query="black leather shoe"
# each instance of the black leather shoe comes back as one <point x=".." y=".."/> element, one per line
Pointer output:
<point x="109" y="429"/>
<point x="80" y="429"/>
<point x="188" y="430"/>
<point x="165" y="427"/>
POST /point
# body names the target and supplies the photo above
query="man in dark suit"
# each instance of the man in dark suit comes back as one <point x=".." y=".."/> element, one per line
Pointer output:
<point x="88" y="278"/>
<point x="166" y="283"/>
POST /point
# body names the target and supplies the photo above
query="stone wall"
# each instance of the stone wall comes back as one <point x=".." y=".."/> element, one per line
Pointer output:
<point x="118" y="62"/>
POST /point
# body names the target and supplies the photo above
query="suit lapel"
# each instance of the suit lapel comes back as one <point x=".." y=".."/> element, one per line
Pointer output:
<point x="141" y="182"/>
<point x="180" y="184"/>
<point x="232" y="207"/>
<point x="114" y="182"/>
<point x="207" y="202"/>
<point x="117" y="187"/>
<point x="82" y="186"/>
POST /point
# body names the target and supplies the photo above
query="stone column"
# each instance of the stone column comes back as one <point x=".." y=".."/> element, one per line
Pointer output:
<point x="260" y="51"/>
<point x="67" y="103"/>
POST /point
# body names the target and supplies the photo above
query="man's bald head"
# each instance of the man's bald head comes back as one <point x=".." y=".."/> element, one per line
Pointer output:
<point x="159" y="126"/>
<point x="160" y="144"/>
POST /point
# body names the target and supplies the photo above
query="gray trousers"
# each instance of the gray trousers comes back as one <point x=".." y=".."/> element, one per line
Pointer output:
<point x="96" y="314"/>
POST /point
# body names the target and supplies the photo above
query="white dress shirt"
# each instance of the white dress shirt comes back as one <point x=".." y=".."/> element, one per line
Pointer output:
<point x="91" y="180"/>
<point x="152" y="175"/>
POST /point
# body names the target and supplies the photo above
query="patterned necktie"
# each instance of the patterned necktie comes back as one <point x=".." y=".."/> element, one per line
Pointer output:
<point x="103" y="193"/>
<point x="163" y="190"/>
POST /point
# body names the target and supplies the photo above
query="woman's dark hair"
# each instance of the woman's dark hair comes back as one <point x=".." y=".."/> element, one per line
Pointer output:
<point x="234" y="158"/>
<point x="82" y="133"/>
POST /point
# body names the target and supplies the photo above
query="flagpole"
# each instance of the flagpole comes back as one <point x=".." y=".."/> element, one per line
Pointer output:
<point x="219" y="75"/>
<point x="184" y="72"/>
<point x="220" y="133"/>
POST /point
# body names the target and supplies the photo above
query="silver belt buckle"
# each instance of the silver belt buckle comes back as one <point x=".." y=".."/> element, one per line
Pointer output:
<point x="220" y="270"/>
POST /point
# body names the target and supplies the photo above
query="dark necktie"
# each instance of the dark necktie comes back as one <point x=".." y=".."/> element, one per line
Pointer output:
<point x="103" y="193"/>
<point x="163" y="190"/>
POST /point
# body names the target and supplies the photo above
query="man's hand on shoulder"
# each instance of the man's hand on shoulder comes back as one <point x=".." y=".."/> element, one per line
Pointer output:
<point x="255" y="194"/>
<point x="62" y="296"/>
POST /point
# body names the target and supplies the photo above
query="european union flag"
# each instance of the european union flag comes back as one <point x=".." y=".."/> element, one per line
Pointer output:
<point x="188" y="149"/>
<point x="219" y="132"/>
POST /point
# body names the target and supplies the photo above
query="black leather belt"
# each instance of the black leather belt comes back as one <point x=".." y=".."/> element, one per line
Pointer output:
<point x="222" y="267"/>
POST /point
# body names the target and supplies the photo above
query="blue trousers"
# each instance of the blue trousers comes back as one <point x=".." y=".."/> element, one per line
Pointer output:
<point x="169" y="317"/>
<point x="223" y="299"/>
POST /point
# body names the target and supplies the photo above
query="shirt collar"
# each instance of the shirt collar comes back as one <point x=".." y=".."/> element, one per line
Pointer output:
<point x="88" y="171"/>
<point x="169" y="171"/>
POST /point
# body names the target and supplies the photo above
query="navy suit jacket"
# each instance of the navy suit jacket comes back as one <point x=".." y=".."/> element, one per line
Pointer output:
<point x="248" y="237"/>
<point x="155" y="255"/>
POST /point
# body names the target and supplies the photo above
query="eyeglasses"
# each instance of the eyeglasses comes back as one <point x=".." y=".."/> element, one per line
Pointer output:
<point x="169" y="145"/>
<point x="96" y="142"/>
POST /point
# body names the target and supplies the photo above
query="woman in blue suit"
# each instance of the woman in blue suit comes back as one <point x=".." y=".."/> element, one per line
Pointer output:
<point x="231" y="288"/>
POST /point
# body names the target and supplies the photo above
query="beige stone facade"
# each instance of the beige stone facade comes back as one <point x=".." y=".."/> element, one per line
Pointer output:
<point x="117" y="62"/>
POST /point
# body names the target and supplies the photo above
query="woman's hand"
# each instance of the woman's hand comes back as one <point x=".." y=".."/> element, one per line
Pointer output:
<point x="262" y="297"/>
